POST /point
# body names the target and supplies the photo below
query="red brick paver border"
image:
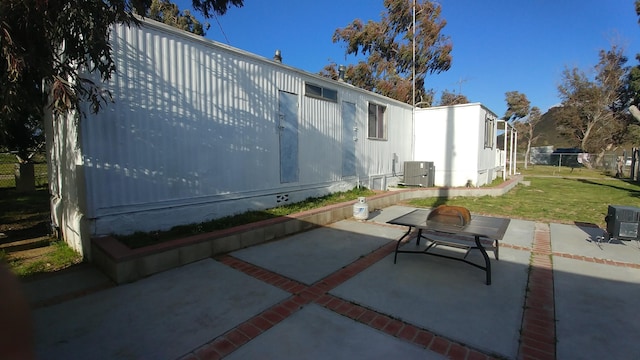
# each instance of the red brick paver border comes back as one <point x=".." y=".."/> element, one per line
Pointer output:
<point x="538" y="334"/>
<point x="597" y="260"/>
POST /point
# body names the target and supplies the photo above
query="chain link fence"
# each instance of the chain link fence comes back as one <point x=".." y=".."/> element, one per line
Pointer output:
<point x="610" y="163"/>
<point x="9" y="165"/>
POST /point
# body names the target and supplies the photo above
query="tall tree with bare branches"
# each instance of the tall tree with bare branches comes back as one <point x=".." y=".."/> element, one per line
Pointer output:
<point x="593" y="109"/>
<point x="388" y="45"/>
<point x="53" y="51"/>
<point x="452" y="98"/>
<point x="524" y="117"/>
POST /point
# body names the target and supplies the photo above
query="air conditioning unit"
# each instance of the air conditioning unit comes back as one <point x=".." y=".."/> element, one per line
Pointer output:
<point x="419" y="173"/>
<point x="623" y="222"/>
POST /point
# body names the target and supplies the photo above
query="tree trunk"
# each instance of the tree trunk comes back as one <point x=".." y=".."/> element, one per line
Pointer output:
<point x="25" y="177"/>
<point x="635" y="112"/>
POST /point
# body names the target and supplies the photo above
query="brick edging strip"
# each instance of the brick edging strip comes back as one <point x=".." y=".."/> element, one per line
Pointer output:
<point x="538" y="333"/>
<point x="597" y="260"/>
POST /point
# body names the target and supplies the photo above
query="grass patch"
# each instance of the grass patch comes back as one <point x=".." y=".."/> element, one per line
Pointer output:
<point x="58" y="256"/>
<point x="27" y="216"/>
<point x="563" y="171"/>
<point x="141" y="239"/>
<point x="497" y="181"/>
<point x="549" y="199"/>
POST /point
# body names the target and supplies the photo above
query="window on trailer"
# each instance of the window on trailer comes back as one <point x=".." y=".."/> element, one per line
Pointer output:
<point x="377" y="123"/>
<point x="489" y="131"/>
<point x="320" y="92"/>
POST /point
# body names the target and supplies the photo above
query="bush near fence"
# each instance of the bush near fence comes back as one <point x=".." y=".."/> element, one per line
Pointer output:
<point x="8" y="164"/>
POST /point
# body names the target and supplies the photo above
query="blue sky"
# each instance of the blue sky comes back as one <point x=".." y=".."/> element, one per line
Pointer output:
<point x="498" y="45"/>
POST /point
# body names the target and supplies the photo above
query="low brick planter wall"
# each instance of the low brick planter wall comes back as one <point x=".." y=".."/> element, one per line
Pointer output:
<point x="124" y="265"/>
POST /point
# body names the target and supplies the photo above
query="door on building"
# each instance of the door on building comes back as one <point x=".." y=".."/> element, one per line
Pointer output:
<point x="288" y="132"/>
<point x="349" y="139"/>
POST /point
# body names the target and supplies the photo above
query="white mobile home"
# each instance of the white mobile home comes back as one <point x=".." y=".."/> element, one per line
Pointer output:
<point x="200" y="130"/>
<point x="460" y="140"/>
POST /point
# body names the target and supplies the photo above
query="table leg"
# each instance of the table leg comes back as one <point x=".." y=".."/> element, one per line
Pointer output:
<point x="395" y="256"/>
<point x="487" y="261"/>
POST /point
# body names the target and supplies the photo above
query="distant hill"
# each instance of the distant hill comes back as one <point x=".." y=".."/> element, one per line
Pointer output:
<point x="548" y="135"/>
<point x="546" y="132"/>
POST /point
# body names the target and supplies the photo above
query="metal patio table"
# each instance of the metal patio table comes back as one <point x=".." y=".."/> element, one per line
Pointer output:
<point x="480" y="228"/>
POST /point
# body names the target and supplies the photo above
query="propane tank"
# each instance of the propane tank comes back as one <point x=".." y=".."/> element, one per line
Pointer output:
<point x="361" y="209"/>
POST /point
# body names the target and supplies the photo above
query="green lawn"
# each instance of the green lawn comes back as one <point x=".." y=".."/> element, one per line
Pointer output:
<point x="25" y="216"/>
<point x="567" y="199"/>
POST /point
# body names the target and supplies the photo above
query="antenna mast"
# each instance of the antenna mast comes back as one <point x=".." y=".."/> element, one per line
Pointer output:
<point x="413" y="58"/>
<point x="413" y="83"/>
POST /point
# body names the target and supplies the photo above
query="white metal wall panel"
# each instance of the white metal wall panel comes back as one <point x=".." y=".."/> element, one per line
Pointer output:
<point x="194" y="126"/>
<point x="375" y="157"/>
<point x="448" y="136"/>
<point x="67" y="202"/>
<point x="323" y="130"/>
<point x="187" y="122"/>
<point x="320" y="135"/>
<point x="453" y="138"/>
<point x="487" y="169"/>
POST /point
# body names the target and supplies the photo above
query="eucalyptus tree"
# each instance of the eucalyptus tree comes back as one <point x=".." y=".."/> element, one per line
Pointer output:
<point x="451" y="98"/>
<point x="524" y="117"/>
<point x="593" y="112"/>
<point x="55" y="54"/>
<point x="388" y="46"/>
<point x="168" y="13"/>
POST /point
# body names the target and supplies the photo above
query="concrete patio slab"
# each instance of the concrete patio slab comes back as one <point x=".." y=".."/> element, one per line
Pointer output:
<point x="572" y="239"/>
<point x="311" y="256"/>
<point x="161" y="317"/>
<point x="596" y="310"/>
<point x="519" y="233"/>
<point x="389" y="213"/>
<point x="317" y="333"/>
<point x="447" y="297"/>
<point x="64" y="284"/>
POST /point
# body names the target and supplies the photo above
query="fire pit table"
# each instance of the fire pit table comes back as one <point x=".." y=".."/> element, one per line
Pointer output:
<point x="469" y="233"/>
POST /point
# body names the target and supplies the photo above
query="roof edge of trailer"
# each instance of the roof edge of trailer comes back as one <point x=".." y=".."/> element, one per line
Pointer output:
<point x="459" y="106"/>
<point x="185" y="34"/>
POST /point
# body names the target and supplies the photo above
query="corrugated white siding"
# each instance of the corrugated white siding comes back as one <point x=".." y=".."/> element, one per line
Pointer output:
<point x="487" y="169"/>
<point x="196" y="123"/>
<point x="65" y="181"/>
<point x="373" y="157"/>
<point x="453" y="138"/>
<point x="320" y="140"/>
<point x="187" y="122"/>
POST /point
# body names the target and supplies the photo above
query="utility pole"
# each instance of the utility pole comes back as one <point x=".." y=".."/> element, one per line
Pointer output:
<point x="413" y="82"/>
